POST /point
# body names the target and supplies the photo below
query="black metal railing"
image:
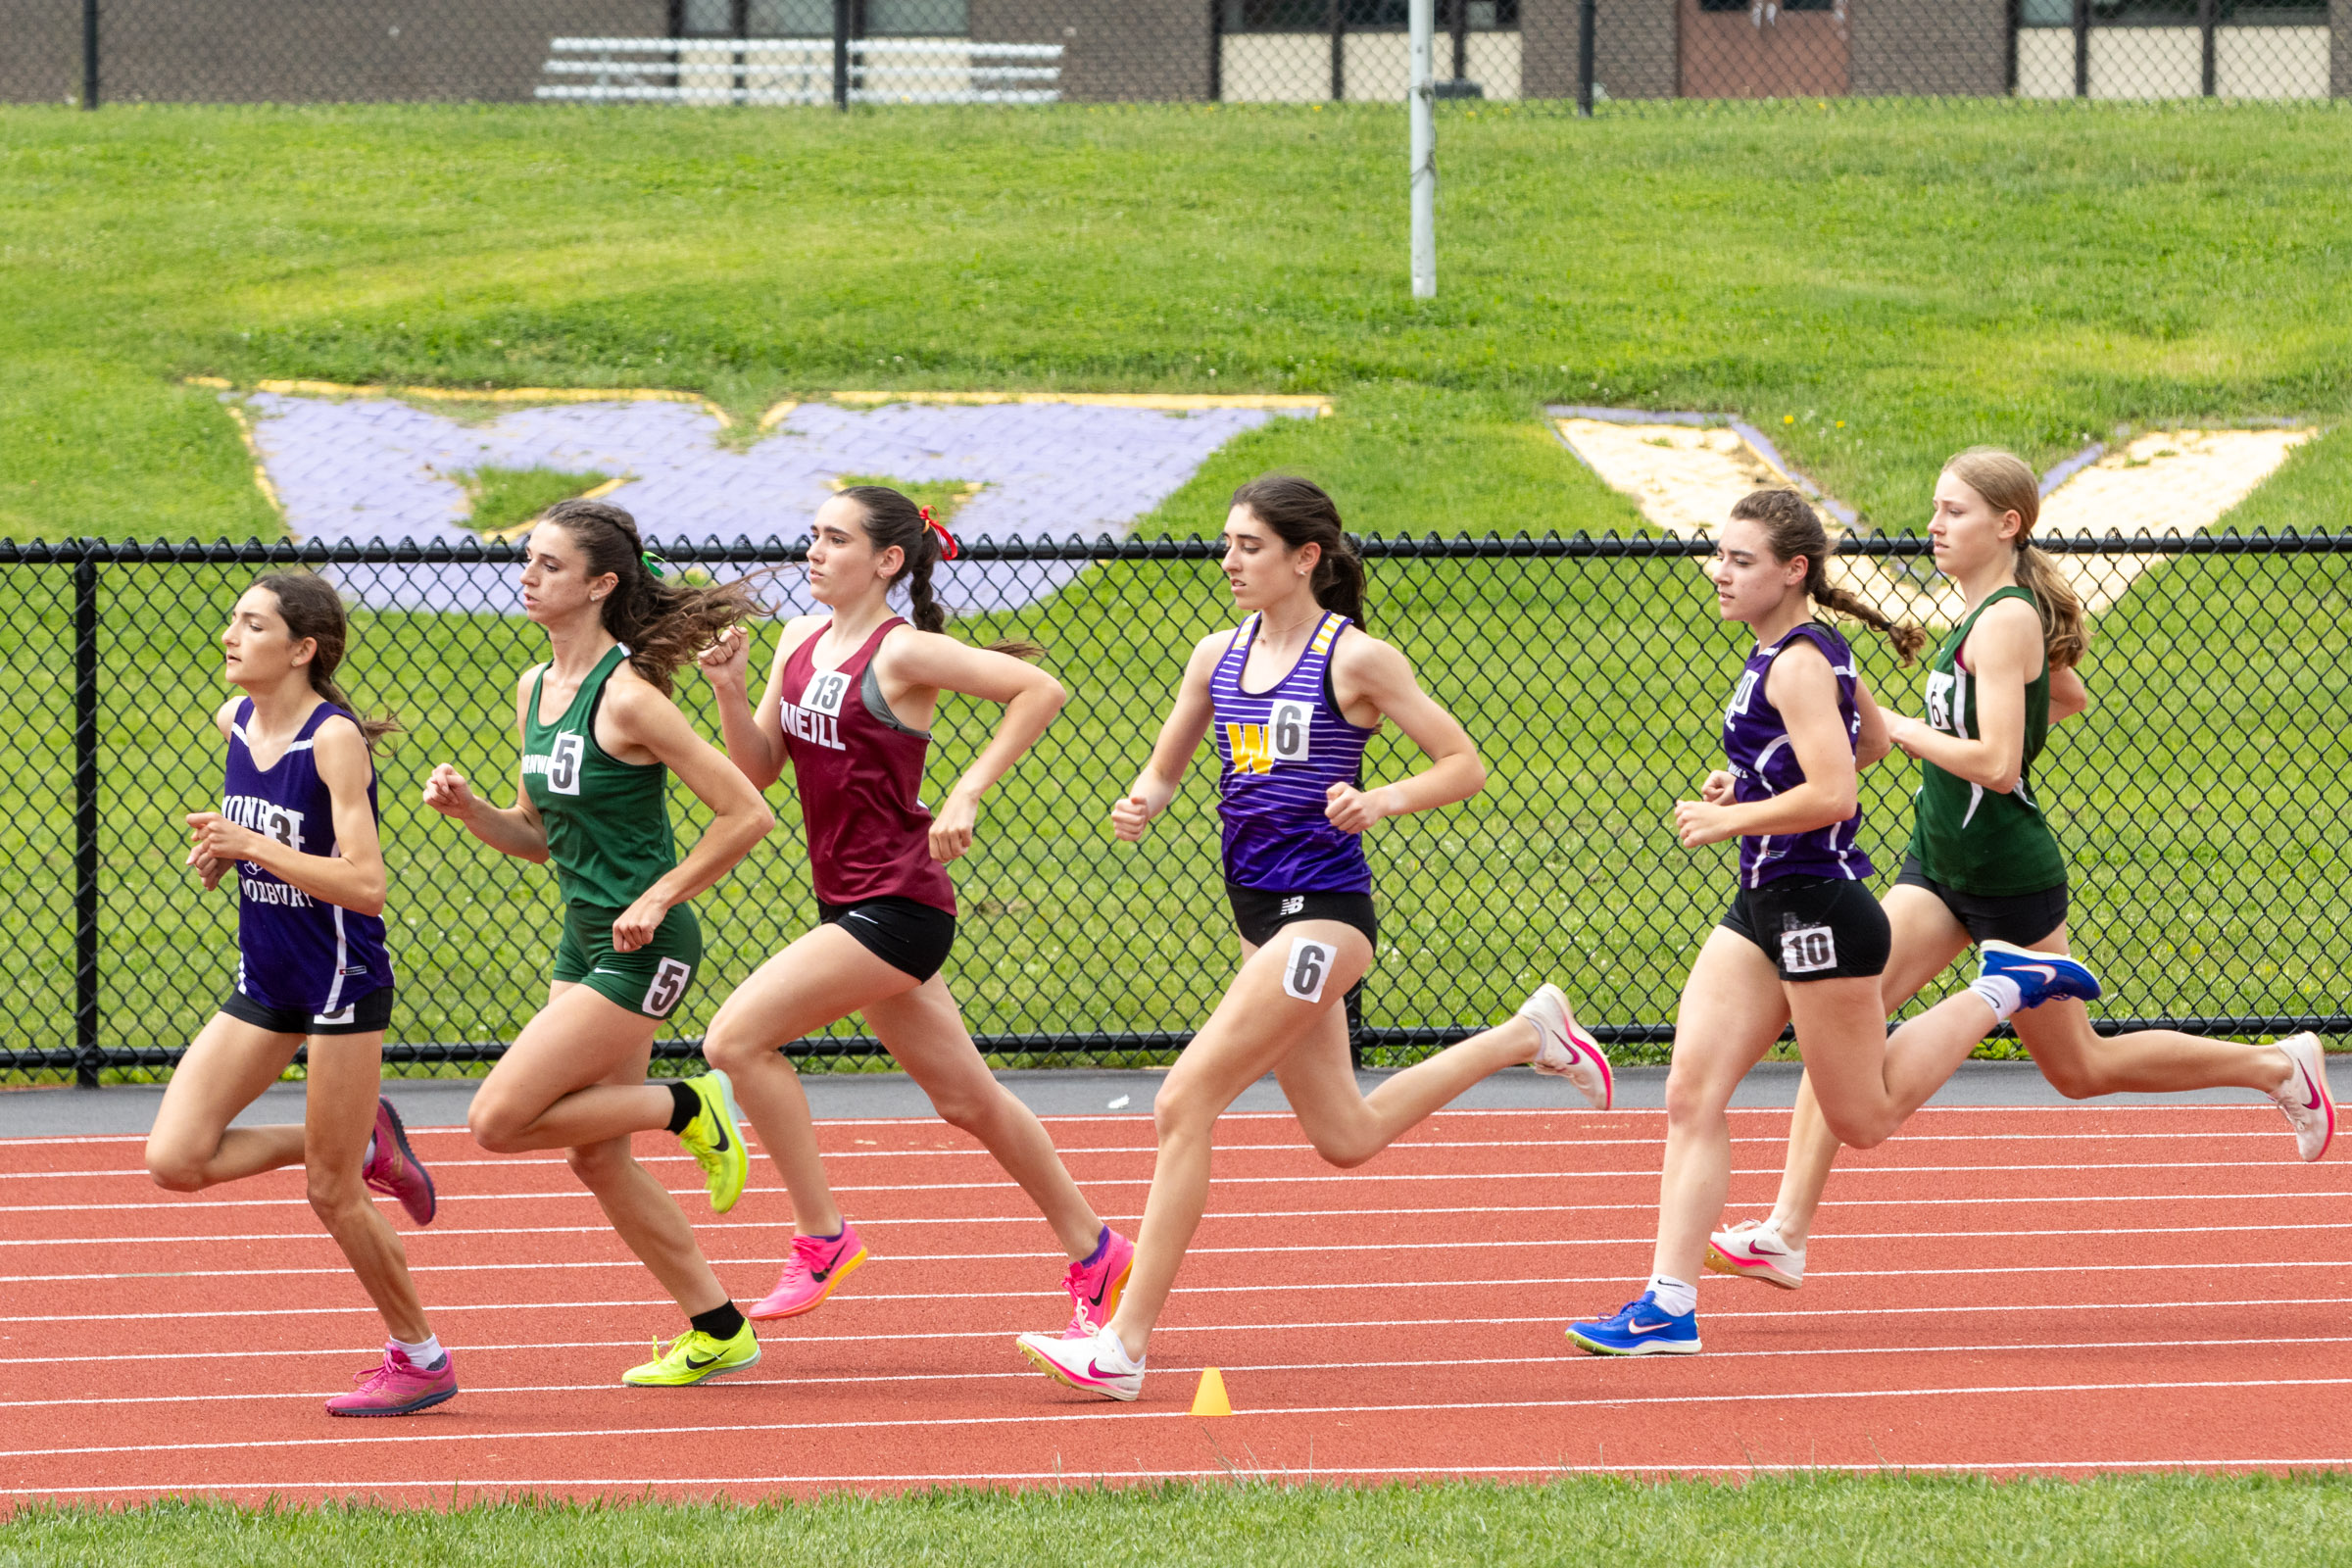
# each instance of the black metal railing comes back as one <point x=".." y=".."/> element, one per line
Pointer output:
<point x="2204" y="801"/>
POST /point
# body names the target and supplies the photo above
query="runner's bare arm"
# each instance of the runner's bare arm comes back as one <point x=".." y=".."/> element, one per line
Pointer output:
<point x="2003" y="654"/>
<point x="1372" y="679"/>
<point x="514" y="830"/>
<point x="1806" y="691"/>
<point x="1180" y="736"/>
<point x="354" y="875"/>
<point x="642" y="718"/>
<point x="754" y="740"/>
<point x="1030" y="695"/>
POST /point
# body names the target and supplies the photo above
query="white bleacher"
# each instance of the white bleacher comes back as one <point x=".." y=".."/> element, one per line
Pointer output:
<point x="800" y="71"/>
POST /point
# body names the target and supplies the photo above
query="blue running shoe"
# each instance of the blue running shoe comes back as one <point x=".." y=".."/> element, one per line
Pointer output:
<point x="2039" y="977"/>
<point x="1639" y="1328"/>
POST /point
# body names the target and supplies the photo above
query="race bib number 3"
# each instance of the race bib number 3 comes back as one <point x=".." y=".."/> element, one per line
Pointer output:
<point x="1808" y="950"/>
<point x="1307" y="968"/>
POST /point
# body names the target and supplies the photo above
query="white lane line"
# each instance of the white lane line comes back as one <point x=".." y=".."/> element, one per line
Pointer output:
<point x="834" y="1379"/>
<point x="1487" y="1284"/>
<point x="1088" y="1413"/>
<point x="362" y="1353"/>
<point x="505" y="1485"/>
<point x="1030" y="1217"/>
<point x="505" y="1162"/>
<point x="1274" y="1250"/>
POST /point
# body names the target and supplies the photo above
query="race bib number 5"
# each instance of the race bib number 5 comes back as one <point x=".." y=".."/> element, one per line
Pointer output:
<point x="1307" y="968"/>
<point x="669" y="984"/>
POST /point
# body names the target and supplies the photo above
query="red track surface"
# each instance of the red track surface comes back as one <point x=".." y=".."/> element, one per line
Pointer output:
<point x="2061" y="1290"/>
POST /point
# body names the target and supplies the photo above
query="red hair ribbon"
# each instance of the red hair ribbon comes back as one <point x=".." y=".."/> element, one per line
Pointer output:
<point x="948" y="549"/>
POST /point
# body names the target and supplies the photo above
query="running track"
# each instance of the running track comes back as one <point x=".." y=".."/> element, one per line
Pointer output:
<point x="1996" y="1289"/>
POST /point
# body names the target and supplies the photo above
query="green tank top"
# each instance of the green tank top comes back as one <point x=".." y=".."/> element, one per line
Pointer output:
<point x="1964" y="835"/>
<point x="607" y="821"/>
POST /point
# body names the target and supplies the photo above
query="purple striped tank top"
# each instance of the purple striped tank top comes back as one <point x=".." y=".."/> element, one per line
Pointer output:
<point x="1283" y="749"/>
<point x="1755" y="740"/>
<point x="295" y="952"/>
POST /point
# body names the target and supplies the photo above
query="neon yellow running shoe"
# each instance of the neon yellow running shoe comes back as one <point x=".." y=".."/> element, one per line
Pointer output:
<point x="694" y="1358"/>
<point x="714" y="1141"/>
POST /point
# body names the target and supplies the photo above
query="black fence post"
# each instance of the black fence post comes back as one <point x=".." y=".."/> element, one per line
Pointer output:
<point x="841" y="55"/>
<point x="89" y="54"/>
<point x="87" y="1056"/>
<point x="1461" y="41"/>
<point x="1217" y="51"/>
<point x="2205" y="21"/>
<point x="1588" y="20"/>
<point x="2081" y="48"/>
<point x="1337" y="17"/>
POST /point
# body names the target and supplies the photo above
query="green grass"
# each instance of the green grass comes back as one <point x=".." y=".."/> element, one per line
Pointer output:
<point x="507" y="498"/>
<point x="1806" y="1521"/>
<point x="1933" y="276"/>
<point x="1878" y="284"/>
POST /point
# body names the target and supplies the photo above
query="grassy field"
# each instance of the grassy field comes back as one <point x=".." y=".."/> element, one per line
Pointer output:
<point x="1878" y="286"/>
<point x="1809" y="1521"/>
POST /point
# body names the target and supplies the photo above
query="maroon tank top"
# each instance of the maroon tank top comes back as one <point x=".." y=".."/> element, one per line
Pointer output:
<point x="860" y="772"/>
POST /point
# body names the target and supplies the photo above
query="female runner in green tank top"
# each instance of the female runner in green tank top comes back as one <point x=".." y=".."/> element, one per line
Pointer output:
<point x="599" y="738"/>
<point x="1984" y="864"/>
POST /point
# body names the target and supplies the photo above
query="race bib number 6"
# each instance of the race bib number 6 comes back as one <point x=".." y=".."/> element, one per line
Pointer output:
<point x="1287" y="726"/>
<point x="1307" y="968"/>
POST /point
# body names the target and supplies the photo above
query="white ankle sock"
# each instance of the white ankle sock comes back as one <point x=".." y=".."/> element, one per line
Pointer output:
<point x="368" y="1158"/>
<point x="423" y="1355"/>
<point x="2000" y="994"/>
<point x="1673" y="1295"/>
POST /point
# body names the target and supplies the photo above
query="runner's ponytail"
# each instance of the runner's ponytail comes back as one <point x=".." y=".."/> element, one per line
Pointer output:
<point x="1792" y="528"/>
<point x="1300" y="513"/>
<point x="893" y="519"/>
<point x="2008" y="485"/>
<point x="663" y="625"/>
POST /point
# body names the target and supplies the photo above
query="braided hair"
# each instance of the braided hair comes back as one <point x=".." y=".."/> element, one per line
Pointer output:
<point x="664" y="625"/>
<point x="893" y="519"/>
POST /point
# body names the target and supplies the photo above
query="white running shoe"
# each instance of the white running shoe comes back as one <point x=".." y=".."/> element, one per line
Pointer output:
<point x="1754" y="1250"/>
<point x="2310" y="1109"/>
<point x="1096" y="1364"/>
<point x="1565" y="1050"/>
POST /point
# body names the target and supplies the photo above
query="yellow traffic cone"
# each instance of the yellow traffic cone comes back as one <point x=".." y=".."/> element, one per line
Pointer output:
<point x="1210" y="1400"/>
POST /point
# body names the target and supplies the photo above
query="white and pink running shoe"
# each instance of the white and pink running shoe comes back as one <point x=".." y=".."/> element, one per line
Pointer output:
<point x="1564" y="1050"/>
<point x="1096" y="1364"/>
<point x="2310" y="1109"/>
<point x="1754" y="1250"/>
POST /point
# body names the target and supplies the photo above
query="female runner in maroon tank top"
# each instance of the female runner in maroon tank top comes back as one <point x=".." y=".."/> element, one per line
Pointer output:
<point x="849" y="701"/>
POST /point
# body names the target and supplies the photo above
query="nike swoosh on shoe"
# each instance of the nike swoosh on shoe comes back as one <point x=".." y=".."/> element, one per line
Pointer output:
<point x="692" y="1365"/>
<point x="2312" y="1103"/>
<point x="1645" y="1328"/>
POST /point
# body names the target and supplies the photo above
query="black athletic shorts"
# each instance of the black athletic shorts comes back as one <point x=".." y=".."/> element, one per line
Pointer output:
<point x="1814" y="927"/>
<point x="365" y="1016"/>
<point x="911" y="938"/>
<point x="2024" y="918"/>
<point x="1260" y="913"/>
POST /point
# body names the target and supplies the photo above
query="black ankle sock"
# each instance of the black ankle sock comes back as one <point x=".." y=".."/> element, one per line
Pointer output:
<point x="722" y="1322"/>
<point x="685" y="1105"/>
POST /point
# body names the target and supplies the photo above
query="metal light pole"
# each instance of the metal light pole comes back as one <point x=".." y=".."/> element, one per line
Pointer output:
<point x="1422" y="17"/>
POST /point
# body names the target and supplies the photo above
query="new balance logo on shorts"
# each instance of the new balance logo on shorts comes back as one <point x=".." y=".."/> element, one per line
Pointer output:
<point x="1294" y="903"/>
<point x="1806" y="949"/>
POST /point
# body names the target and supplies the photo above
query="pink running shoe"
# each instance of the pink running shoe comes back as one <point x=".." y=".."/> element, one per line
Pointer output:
<point x="394" y="1171"/>
<point x="1754" y="1250"/>
<point x="1564" y="1050"/>
<point x="399" y="1386"/>
<point x="1096" y="1364"/>
<point x="1095" y="1287"/>
<point x="819" y="1264"/>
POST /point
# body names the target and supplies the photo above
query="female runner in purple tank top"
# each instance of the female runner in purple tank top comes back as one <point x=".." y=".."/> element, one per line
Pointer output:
<point x="850" y="701"/>
<point x="1803" y="941"/>
<point x="297" y="827"/>
<point x="1293" y="693"/>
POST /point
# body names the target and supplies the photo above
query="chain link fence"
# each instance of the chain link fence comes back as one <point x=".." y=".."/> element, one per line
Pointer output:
<point x="2204" y="803"/>
<point x="1589" y="55"/>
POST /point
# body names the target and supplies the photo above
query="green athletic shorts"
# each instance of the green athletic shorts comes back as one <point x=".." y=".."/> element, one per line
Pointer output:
<point x="652" y="981"/>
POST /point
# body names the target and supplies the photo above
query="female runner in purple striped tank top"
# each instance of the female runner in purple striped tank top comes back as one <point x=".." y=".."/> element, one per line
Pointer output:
<point x="295" y="833"/>
<point x="1803" y="941"/>
<point x="1293" y="693"/>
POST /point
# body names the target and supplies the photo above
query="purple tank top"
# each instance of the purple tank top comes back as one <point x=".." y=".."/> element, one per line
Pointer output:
<point x="1283" y="749"/>
<point x="295" y="952"/>
<point x="1755" y="740"/>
